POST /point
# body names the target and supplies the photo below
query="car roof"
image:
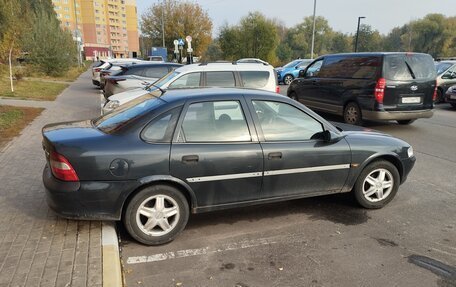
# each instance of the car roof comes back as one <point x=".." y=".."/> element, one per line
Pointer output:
<point x="224" y="66"/>
<point x="179" y="94"/>
<point x="373" y="54"/>
<point x="151" y="64"/>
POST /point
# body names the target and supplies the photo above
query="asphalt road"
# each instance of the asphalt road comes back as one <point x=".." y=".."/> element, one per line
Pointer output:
<point x="323" y="241"/>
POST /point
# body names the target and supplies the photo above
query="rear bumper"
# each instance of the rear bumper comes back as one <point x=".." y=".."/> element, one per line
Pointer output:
<point x="402" y="115"/>
<point x="88" y="200"/>
<point x="448" y="98"/>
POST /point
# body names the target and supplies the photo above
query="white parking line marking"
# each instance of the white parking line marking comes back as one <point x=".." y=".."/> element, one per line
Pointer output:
<point x="201" y="251"/>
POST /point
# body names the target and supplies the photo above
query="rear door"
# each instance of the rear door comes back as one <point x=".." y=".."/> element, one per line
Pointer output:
<point x="216" y="151"/>
<point x="410" y="82"/>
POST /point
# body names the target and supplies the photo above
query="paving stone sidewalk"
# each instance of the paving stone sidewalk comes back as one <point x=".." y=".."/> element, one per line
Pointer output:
<point x="37" y="248"/>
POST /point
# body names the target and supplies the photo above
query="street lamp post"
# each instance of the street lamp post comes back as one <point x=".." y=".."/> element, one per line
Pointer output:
<point x="313" y="31"/>
<point x="163" y="22"/>
<point x="357" y="34"/>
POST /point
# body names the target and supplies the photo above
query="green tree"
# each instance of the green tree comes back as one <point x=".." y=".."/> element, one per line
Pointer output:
<point x="255" y="36"/>
<point x="213" y="52"/>
<point x="50" y="47"/>
<point x="341" y="43"/>
<point x="369" y="40"/>
<point x="180" y="20"/>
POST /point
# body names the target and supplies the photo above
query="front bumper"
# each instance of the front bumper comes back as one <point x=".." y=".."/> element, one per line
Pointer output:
<point x="88" y="200"/>
<point x="401" y="115"/>
<point x="407" y="166"/>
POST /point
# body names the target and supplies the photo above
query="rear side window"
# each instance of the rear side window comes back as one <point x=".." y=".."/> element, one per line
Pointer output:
<point x="408" y="67"/>
<point x="220" y="79"/>
<point x="221" y="121"/>
<point x="134" y="71"/>
<point x="161" y="128"/>
<point x="254" y="79"/>
<point x="350" y="67"/>
<point x="155" y="72"/>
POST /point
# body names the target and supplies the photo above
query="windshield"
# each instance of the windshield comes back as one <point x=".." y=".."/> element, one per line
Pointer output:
<point x="408" y="67"/>
<point x="292" y="64"/>
<point x="442" y="67"/>
<point x="160" y="82"/>
<point x="115" y="120"/>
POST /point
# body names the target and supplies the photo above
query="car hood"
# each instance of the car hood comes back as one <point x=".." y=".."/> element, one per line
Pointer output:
<point x="347" y="129"/>
<point x="128" y="95"/>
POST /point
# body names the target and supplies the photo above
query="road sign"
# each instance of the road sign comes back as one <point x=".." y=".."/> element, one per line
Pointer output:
<point x="188" y="38"/>
<point x="181" y="42"/>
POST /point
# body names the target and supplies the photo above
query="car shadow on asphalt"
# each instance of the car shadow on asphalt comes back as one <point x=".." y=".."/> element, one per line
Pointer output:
<point x="338" y="208"/>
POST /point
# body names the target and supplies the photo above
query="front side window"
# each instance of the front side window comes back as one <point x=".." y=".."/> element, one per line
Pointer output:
<point x="220" y="79"/>
<point x="191" y="80"/>
<point x="283" y="122"/>
<point x="220" y="121"/>
<point x="314" y="69"/>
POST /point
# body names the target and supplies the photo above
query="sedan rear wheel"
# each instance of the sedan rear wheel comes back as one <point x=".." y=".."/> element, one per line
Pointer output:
<point x="377" y="184"/>
<point x="288" y="79"/>
<point x="156" y="215"/>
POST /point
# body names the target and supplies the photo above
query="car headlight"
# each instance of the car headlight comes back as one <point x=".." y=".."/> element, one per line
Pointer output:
<point x="112" y="104"/>
<point x="410" y="152"/>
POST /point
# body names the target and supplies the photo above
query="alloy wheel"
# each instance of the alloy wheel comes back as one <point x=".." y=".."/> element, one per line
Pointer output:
<point x="378" y="185"/>
<point x="157" y="215"/>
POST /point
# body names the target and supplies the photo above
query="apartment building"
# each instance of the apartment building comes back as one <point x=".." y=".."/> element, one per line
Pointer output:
<point x="107" y="28"/>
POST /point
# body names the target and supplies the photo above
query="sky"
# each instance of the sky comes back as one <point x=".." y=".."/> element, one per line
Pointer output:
<point x="342" y="15"/>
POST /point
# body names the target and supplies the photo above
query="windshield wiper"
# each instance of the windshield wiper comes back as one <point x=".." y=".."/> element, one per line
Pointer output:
<point x="410" y="69"/>
<point x="152" y="85"/>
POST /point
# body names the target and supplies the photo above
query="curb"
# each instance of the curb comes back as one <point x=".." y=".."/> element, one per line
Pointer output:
<point x="112" y="271"/>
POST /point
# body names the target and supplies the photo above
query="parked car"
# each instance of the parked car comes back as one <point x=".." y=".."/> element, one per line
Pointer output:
<point x="446" y="77"/>
<point x="158" y="158"/>
<point x="369" y="86"/>
<point x="105" y="64"/>
<point x="111" y="70"/>
<point x="220" y="74"/>
<point x="450" y="96"/>
<point x="135" y="76"/>
<point x="290" y="71"/>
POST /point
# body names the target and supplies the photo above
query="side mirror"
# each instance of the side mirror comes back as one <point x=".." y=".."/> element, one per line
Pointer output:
<point x="328" y="136"/>
<point x="302" y="74"/>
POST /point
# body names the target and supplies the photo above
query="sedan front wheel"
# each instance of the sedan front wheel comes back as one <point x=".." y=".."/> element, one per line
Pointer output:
<point x="377" y="184"/>
<point x="156" y="214"/>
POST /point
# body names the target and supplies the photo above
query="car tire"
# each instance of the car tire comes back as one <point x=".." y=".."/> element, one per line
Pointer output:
<point x="439" y="97"/>
<point x="156" y="214"/>
<point x="377" y="184"/>
<point x="352" y="114"/>
<point x="294" y="96"/>
<point x="453" y="105"/>
<point x="405" y="122"/>
<point x="288" y="79"/>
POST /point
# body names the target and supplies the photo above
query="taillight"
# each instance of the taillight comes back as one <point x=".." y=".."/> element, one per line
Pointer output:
<point x="380" y="90"/>
<point x="434" y="96"/>
<point x="97" y="70"/>
<point x="61" y="168"/>
<point x="277" y="89"/>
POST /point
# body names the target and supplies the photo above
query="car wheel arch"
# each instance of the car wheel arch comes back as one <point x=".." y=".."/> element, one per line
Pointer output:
<point x="163" y="180"/>
<point x="390" y="157"/>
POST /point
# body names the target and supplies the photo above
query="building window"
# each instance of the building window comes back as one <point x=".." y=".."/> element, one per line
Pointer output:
<point x="66" y="9"/>
<point x="67" y="16"/>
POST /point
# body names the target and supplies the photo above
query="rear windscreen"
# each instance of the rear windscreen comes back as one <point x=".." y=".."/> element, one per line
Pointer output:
<point x="408" y="67"/>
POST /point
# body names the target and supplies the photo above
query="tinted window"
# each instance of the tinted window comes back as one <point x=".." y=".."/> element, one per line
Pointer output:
<point x="220" y="79"/>
<point x="127" y="113"/>
<point x="253" y="79"/>
<point x="134" y="71"/>
<point x="221" y="121"/>
<point x="314" y="69"/>
<point x="186" y="81"/>
<point x="409" y="67"/>
<point x="283" y="122"/>
<point x="350" y="67"/>
<point x="162" y="127"/>
<point x="155" y="72"/>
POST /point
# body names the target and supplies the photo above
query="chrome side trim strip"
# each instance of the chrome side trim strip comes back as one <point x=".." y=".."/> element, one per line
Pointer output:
<point x="267" y="173"/>
<point x="306" y="169"/>
<point x="224" y="177"/>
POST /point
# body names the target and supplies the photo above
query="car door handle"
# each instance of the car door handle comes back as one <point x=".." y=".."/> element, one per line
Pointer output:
<point x="275" y="155"/>
<point x="190" y="159"/>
